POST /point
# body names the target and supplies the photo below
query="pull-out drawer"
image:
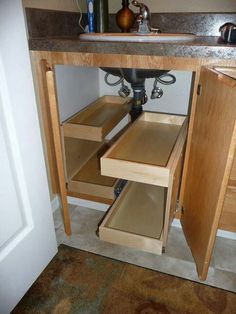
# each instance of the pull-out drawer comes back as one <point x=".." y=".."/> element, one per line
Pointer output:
<point x="88" y="180"/>
<point x="82" y="160"/>
<point x="136" y="219"/>
<point x="147" y="151"/>
<point x="98" y="119"/>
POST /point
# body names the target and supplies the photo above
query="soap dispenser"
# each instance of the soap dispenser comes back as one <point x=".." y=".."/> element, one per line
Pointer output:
<point x="125" y="17"/>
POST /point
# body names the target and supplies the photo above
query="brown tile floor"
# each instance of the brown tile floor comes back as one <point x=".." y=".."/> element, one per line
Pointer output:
<point x="80" y="282"/>
<point x="177" y="260"/>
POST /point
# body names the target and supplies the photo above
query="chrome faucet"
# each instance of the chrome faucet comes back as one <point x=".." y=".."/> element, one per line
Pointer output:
<point x="143" y="19"/>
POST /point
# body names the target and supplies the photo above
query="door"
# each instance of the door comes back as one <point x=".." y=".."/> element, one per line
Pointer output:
<point x="27" y="236"/>
<point x="210" y="160"/>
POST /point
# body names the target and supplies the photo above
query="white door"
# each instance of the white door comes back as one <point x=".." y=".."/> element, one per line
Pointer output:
<point x="27" y="236"/>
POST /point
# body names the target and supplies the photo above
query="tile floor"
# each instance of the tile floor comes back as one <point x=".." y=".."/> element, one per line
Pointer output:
<point x="177" y="260"/>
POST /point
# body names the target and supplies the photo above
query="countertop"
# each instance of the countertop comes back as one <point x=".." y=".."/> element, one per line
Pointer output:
<point x="201" y="47"/>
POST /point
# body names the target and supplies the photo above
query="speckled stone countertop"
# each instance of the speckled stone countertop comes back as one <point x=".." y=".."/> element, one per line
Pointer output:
<point x="201" y="47"/>
<point x="58" y="31"/>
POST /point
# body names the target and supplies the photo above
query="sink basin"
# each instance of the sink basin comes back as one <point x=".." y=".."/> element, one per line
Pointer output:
<point x="135" y="76"/>
<point x="135" y="37"/>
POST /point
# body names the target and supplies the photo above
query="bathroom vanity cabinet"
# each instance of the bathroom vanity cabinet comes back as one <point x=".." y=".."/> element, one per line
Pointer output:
<point x="208" y="181"/>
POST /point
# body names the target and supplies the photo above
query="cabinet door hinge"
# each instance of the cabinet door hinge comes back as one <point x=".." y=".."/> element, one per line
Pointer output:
<point x="199" y="90"/>
<point x="178" y="207"/>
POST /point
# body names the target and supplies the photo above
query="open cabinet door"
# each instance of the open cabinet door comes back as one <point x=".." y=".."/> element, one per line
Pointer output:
<point x="210" y="161"/>
<point x="53" y="108"/>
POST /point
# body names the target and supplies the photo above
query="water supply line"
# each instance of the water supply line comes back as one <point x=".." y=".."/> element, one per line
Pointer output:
<point x="124" y="91"/>
<point x="157" y="92"/>
<point x="138" y="87"/>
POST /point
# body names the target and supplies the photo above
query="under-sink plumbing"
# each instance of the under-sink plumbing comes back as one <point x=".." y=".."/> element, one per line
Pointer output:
<point x="136" y="78"/>
<point x="124" y="90"/>
<point x="157" y="92"/>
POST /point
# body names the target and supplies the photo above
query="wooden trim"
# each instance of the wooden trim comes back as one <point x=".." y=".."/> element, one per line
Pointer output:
<point x="40" y="67"/>
<point x="159" y="117"/>
<point x="227" y="71"/>
<point x="92" y="189"/>
<point x="132" y="171"/>
<point x="90" y="198"/>
<point x="129" y="61"/>
<point x="174" y="183"/>
<point x="58" y="147"/>
<point x="131" y="240"/>
<point x="192" y="111"/>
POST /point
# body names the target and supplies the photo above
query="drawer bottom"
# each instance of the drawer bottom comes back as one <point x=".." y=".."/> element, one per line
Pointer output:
<point x="136" y="219"/>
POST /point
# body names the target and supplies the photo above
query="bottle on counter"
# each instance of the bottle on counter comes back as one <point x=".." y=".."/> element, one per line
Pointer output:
<point x="125" y="17"/>
<point x="101" y="16"/>
<point x="90" y="13"/>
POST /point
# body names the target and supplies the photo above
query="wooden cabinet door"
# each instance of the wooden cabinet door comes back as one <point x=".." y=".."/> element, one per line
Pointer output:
<point x="211" y="155"/>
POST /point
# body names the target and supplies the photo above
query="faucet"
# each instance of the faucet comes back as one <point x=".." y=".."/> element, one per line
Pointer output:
<point x="143" y="19"/>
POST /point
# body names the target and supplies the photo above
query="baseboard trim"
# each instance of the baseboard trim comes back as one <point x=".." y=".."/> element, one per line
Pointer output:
<point x="220" y="233"/>
<point x="176" y="223"/>
<point x="86" y="203"/>
<point x="226" y="234"/>
<point x="55" y="203"/>
<point x="104" y="207"/>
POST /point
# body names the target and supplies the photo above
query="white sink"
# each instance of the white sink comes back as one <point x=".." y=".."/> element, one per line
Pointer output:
<point x="135" y="37"/>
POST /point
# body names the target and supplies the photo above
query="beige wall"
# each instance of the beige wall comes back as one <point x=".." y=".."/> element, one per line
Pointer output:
<point x="183" y="5"/>
<point x="154" y="5"/>
<point x="63" y="5"/>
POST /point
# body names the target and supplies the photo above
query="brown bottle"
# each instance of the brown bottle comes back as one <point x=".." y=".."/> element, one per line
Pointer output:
<point x="125" y="17"/>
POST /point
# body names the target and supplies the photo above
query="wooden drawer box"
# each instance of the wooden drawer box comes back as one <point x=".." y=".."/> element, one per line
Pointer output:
<point x="98" y="119"/>
<point x="136" y="219"/>
<point x="88" y="180"/>
<point x="147" y="150"/>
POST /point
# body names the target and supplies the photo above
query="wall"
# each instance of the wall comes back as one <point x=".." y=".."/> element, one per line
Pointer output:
<point x="154" y="5"/>
<point x="76" y="88"/>
<point x="183" y="5"/>
<point x="62" y="5"/>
